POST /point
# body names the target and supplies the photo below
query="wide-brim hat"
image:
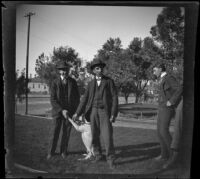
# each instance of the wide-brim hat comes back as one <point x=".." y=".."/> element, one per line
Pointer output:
<point x="63" y="65"/>
<point x="97" y="63"/>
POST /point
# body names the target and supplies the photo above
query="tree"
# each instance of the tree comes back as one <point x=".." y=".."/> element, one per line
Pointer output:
<point x="46" y="69"/>
<point x="142" y="75"/>
<point x="169" y="31"/>
<point x="135" y="45"/>
<point x="20" y="85"/>
<point x="46" y="66"/>
<point x="82" y="81"/>
<point x="143" y="54"/>
<point x="111" y="46"/>
<point x="121" y="68"/>
<point x="111" y="54"/>
<point x="130" y="68"/>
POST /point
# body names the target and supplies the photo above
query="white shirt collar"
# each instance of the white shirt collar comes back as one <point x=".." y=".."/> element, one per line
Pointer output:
<point x="62" y="77"/>
<point x="163" y="74"/>
<point x="98" y="78"/>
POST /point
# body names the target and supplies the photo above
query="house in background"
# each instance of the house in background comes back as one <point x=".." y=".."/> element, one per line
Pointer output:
<point x="36" y="85"/>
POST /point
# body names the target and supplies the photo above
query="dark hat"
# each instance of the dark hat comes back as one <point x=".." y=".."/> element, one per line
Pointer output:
<point x="97" y="62"/>
<point x="161" y="65"/>
<point x="63" y="65"/>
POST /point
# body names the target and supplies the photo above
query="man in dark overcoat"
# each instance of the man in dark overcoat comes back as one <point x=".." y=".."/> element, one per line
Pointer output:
<point x="64" y="100"/>
<point x="168" y="87"/>
<point x="100" y="106"/>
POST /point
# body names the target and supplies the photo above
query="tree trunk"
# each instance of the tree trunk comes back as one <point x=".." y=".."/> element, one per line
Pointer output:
<point x="126" y="98"/>
<point x="136" y="98"/>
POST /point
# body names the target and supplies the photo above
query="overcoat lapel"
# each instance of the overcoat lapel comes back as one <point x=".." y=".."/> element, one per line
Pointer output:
<point x="69" y="83"/>
<point x="93" y="86"/>
<point x="59" y="85"/>
<point x="162" y="85"/>
<point x="103" y="83"/>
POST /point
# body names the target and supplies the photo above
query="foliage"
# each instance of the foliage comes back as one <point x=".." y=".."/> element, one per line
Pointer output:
<point x="135" y="45"/>
<point x="169" y="31"/>
<point x="20" y="85"/>
<point x="46" y="66"/>
<point x="46" y="69"/>
<point x="112" y="46"/>
<point x="130" y="68"/>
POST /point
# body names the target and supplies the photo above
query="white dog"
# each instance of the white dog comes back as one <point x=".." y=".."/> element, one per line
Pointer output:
<point x="86" y="135"/>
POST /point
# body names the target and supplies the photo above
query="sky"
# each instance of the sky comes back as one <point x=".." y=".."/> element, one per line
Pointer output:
<point x="84" y="28"/>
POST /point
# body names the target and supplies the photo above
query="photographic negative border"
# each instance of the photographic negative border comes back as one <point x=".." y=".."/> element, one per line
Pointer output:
<point x="9" y="51"/>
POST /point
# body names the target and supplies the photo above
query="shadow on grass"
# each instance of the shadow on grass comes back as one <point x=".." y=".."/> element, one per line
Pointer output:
<point x="136" y="153"/>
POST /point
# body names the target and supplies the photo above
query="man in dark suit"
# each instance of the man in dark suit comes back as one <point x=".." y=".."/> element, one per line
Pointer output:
<point x="64" y="100"/>
<point x="168" y="86"/>
<point x="100" y="105"/>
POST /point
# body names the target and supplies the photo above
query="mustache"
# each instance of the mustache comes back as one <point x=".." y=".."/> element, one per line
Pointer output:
<point x="62" y="73"/>
<point x="98" y="74"/>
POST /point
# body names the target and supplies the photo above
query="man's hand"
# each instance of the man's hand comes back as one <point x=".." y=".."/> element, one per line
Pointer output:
<point x="75" y="117"/>
<point x="65" y="113"/>
<point x="112" y="119"/>
<point x="168" y="103"/>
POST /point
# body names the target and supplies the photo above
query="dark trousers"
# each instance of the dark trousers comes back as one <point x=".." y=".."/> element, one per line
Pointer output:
<point x="66" y="129"/>
<point x="177" y="127"/>
<point x="163" y="123"/>
<point x="101" y="125"/>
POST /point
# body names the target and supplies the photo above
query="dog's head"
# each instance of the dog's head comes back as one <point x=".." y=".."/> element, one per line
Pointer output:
<point x="80" y="121"/>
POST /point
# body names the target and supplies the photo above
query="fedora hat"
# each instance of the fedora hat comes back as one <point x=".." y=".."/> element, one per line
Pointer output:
<point x="97" y="62"/>
<point x="63" y="65"/>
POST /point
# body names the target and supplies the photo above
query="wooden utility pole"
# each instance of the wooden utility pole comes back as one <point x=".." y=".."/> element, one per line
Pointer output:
<point x="27" y="55"/>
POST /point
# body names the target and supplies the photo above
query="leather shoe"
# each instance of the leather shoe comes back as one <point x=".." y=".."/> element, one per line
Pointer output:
<point x="111" y="164"/>
<point x="160" y="158"/>
<point x="64" y="156"/>
<point x="98" y="159"/>
<point x="49" y="156"/>
<point x="171" y="162"/>
<point x="168" y="165"/>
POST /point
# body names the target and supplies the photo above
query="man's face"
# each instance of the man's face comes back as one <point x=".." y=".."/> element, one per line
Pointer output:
<point x="157" y="71"/>
<point x="64" y="72"/>
<point x="98" y="71"/>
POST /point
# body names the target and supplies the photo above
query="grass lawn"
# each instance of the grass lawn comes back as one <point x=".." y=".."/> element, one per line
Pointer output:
<point x="135" y="150"/>
<point x="40" y="104"/>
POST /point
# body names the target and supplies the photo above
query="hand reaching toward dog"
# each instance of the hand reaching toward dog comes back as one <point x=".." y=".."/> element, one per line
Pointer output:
<point x="112" y="119"/>
<point x="65" y="113"/>
<point x="168" y="103"/>
<point x="75" y="117"/>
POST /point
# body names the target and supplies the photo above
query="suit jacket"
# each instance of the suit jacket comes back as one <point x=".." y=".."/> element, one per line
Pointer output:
<point x="168" y="90"/>
<point x="109" y="94"/>
<point x="56" y="97"/>
<point x="178" y="95"/>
